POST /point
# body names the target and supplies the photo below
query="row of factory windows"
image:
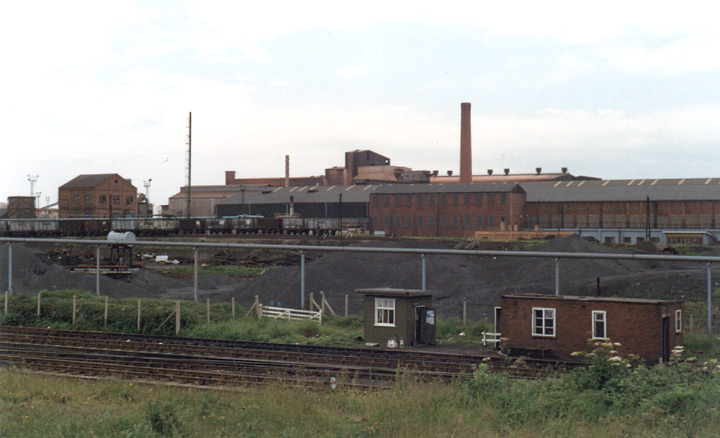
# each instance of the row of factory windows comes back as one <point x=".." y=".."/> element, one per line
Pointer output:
<point x="444" y="221"/>
<point x="102" y="199"/>
<point x="407" y="200"/>
<point x="543" y="323"/>
<point x="622" y="220"/>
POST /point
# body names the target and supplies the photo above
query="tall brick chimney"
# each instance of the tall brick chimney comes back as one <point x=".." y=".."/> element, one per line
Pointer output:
<point x="465" y="144"/>
<point x="287" y="170"/>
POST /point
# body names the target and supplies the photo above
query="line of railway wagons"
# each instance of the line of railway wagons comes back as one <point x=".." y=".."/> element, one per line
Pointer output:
<point x="168" y="226"/>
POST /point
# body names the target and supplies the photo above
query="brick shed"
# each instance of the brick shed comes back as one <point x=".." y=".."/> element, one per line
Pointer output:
<point x="557" y="326"/>
<point x="404" y="316"/>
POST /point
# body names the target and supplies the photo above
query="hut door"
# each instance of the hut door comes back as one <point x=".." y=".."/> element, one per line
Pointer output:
<point x="425" y="328"/>
<point x="666" y="339"/>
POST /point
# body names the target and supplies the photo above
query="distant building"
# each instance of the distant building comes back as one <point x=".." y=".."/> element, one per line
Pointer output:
<point x="98" y="195"/>
<point x="21" y="207"/>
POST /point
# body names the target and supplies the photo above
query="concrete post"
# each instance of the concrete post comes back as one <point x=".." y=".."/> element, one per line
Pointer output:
<point x="97" y="272"/>
<point x="195" y="271"/>
<point x="709" y="301"/>
<point x="557" y="277"/>
<point x="6" y="302"/>
<point x="10" y="290"/>
<point x="38" y="304"/>
<point x="302" y="279"/>
<point x="138" y="315"/>
<point x="74" y="308"/>
<point x="232" y="306"/>
<point x="207" y="307"/>
<point x="106" y="310"/>
<point x="177" y="317"/>
<point x="346" y="304"/>
<point x="424" y="272"/>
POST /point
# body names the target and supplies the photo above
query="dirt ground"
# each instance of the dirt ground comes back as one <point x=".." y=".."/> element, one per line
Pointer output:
<point x="479" y="280"/>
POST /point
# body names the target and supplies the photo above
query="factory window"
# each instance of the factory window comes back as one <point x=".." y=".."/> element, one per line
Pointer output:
<point x="455" y="199"/>
<point x="609" y="240"/>
<point x="678" y="321"/>
<point x="543" y="322"/>
<point x="420" y="221"/>
<point x="408" y="200"/>
<point x="466" y="199"/>
<point x="88" y="214"/>
<point x="385" y="311"/>
<point x="76" y="198"/>
<point x="419" y="200"/>
<point x="374" y="200"/>
<point x="398" y="200"/>
<point x="467" y="221"/>
<point x="408" y="221"/>
<point x="490" y="221"/>
<point x="431" y="199"/>
<point x="443" y="199"/>
<point x="479" y="221"/>
<point x="88" y="198"/>
<point x="116" y="199"/>
<point x="431" y="221"/>
<point x="599" y="324"/>
<point x="386" y="221"/>
<point x="479" y="198"/>
<point x="627" y="239"/>
<point x="455" y="221"/>
<point x="503" y="198"/>
<point x="386" y="200"/>
<point x="398" y="221"/>
<point x="503" y="219"/>
<point x="442" y="221"/>
<point x="129" y="199"/>
<point x="102" y="199"/>
<point x="375" y="222"/>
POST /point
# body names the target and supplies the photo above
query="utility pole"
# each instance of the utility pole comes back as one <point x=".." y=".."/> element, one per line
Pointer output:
<point x="189" y="165"/>
<point x="33" y="179"/>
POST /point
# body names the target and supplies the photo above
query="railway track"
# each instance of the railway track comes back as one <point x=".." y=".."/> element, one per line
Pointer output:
<point x="232" y="363"/>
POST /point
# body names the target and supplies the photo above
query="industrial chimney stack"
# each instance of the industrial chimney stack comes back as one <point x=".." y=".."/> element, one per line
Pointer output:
<point x="465" y="144"/>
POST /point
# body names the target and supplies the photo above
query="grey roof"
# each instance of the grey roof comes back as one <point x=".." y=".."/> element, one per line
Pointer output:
<point x="393" y="292"/>
<point x="89" y="181"/>
<point x="303" y="194"/>
<point x="690" y="189"/>
<point x="498" y="187"/>
<point x="588" y="298"/>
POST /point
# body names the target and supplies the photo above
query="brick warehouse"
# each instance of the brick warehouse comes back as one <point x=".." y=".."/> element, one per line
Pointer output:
<point x="557" y="326"/>
<point x="453" y="210"/>
<point x="97" y="195"/>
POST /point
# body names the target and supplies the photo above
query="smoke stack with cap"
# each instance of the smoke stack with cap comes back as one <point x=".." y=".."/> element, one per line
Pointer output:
<point x="287" y="170"/>
<point x="465" y="144"/>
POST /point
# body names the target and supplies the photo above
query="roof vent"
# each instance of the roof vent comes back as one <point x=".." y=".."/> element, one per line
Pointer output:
<point x="489" y="171"/>
<point x="507" y="171"/>
<point x="449" y="172"/>
<point x="564" y="170"/>
<point x="538" y="170"/>
<point x="313" y="189"/>
<point x="435" y="173"/>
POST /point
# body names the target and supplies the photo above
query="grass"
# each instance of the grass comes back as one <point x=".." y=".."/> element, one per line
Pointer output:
<point x="602" y="401"/>
<point x="56" y="312"/>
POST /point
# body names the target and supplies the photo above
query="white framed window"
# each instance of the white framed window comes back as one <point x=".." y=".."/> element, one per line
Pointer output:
<point x="599" y="324"/>
<point x="678" y="321"/>
<point x="385" y="312"/>
<point x="543" y="322"/>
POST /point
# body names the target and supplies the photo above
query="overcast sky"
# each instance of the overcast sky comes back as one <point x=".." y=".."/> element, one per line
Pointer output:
<point x="614" y="90"/>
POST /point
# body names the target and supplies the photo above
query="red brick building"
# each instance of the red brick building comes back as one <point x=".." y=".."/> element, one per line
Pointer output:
<point x="98" y="195"/>
<point x="451" y="210"/>
<point x="557" y="326"/>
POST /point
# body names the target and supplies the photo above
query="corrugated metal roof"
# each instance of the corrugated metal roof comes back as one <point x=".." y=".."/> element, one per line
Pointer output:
<point x="500" y="187"/>
<point x="304" y="194"/>
<point x="690" y="189"/>
<point x="89" y="180"/>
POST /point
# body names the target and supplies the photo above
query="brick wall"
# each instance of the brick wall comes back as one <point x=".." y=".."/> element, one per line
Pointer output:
<point x="638" y="326"/>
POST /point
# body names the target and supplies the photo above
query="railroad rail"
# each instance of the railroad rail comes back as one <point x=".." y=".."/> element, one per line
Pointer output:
<point x="232" y="363"/>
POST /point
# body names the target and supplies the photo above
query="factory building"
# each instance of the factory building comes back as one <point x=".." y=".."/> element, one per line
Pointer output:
<point x="448" y="210"/>
<point x="348" y="203"/>
<point x="97" y="195"/>
<point x="668" y="211"/>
